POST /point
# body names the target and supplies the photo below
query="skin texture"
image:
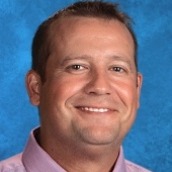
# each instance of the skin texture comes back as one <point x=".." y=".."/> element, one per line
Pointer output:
<point x="89" y="99"/>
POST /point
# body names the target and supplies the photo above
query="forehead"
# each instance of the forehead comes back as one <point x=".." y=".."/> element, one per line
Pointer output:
<point x="76" y="25"/>
<point x="87" y="33"/>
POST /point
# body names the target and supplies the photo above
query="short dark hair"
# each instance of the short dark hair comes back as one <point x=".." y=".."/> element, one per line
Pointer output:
<point x="97" y="9"/>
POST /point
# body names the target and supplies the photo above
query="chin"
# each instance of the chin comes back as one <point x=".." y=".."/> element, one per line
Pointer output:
<point x="101" y="136"/>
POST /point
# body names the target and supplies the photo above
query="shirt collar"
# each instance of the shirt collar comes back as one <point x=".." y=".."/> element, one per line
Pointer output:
<point x="35" y="159"/>
<point x="120" y="163"/>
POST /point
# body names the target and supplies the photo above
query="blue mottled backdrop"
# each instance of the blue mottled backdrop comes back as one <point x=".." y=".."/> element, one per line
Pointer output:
<point x="150" y="141"/>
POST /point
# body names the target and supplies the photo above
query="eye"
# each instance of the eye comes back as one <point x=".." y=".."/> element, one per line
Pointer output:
<point x="117" y="69"/>
<point x="75" y="67"/>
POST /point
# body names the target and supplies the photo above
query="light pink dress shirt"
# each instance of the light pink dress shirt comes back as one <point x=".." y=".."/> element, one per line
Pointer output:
<point x="35" y="159"/>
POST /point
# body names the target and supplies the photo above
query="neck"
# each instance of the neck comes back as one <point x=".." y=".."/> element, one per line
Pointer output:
<point x="96" y="158"/>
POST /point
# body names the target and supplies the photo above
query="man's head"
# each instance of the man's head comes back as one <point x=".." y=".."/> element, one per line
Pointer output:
<point x="89" y="93"/>
<point x="43" y="37"/>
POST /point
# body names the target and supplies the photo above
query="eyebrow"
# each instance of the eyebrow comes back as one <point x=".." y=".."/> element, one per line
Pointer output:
<point x="120" y="58"/>
<point x="85" y="57"/>
<point x="71" y="58"/>
<point x="124" y="60"/>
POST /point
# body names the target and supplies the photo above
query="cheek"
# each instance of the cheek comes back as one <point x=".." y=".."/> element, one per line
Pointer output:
<point x="128" y="97"/>
<point x="128" y="91"/>
<point x="129" y="107"/>
<point x="54" y="100"/>
<point x="63" y="89"/>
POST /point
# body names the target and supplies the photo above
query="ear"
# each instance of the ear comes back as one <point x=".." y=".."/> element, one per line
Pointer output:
<point x="139" y="86"/>
<point x="33" y="84"/>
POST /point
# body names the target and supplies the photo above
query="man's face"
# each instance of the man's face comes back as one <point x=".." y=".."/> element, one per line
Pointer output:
<point x="90" y="95"/>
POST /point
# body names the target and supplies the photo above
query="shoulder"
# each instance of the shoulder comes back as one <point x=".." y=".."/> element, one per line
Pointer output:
<point x="12" y="164"/>
<point x="132" y="167"/>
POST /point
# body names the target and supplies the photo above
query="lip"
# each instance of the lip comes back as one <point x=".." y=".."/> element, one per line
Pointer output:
<point x="94" y="109"/>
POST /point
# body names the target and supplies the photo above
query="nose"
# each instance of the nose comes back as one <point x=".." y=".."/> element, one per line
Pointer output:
<point x="99" y="84"/>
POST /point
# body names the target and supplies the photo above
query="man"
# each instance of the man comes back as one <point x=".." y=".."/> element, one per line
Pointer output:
<point x="85" y="82"/>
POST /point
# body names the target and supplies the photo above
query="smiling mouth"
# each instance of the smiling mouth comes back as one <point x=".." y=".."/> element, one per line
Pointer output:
<point x="93" y="109"/>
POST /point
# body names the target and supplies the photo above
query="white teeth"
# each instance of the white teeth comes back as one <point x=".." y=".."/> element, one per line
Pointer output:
<point x="91" y="109"/>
